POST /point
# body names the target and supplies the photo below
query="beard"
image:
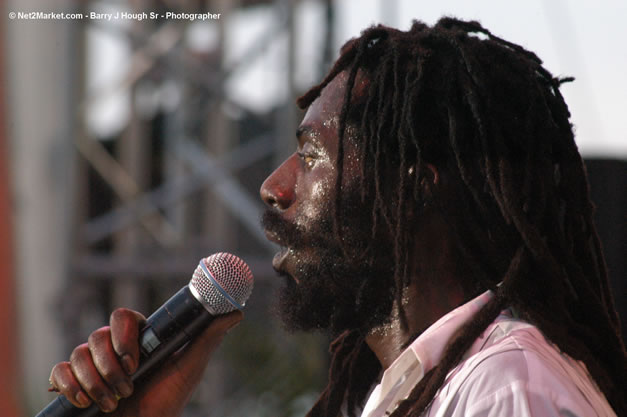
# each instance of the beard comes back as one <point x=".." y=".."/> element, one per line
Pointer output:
<point x="340" y="285"/>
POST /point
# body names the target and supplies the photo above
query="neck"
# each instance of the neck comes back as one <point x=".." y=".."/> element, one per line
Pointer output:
<point x="433" y="291"/>
<point x="388" y="340"/>
<point x="422" y="308"/>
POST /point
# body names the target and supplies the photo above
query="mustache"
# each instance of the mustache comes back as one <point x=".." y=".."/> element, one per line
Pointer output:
<point x="293" y="235"/>
<point x="288" y="233"/>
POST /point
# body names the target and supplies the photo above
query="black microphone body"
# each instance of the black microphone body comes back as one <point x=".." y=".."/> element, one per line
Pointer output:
<point x="168" y="329"/>
<point x="175" y="323"/>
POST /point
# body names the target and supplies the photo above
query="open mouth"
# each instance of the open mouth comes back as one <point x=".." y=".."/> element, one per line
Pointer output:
<point x="280" y="263"/>
<point x="279" y="259"/>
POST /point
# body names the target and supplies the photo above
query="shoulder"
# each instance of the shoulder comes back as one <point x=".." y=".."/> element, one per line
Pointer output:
<point x="513" y="370"/>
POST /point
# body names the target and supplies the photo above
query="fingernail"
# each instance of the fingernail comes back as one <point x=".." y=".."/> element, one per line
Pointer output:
<point x="82" y="399"/>
<point x="124" y="388"/>
<point x="107" y="404"/>
<point x="128" y="364"/>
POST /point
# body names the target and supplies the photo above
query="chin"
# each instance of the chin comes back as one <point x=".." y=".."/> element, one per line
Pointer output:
<point x="316" y="305"/>
<point x="297" y="307"/>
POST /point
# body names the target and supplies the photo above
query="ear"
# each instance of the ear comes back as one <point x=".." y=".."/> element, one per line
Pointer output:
<point x="430" y="179"/>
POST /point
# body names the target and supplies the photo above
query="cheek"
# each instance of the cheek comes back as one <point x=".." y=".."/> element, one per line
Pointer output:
<point x="319" y="203"/>
<point x="352" y="171"/>
<point x="352" y="158"/>
<point x="316" y="200"/>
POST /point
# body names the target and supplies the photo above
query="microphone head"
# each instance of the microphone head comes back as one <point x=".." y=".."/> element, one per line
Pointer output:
<point x="222" y="282"/>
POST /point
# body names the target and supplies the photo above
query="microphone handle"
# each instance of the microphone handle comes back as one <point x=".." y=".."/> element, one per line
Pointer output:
<point x="167" y="330"/>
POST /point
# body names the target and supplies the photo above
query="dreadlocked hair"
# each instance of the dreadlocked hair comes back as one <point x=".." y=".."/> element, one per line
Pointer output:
<point x="488" y="113"/>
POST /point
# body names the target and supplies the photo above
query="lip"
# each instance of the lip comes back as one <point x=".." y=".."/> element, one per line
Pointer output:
<point x="279" y="259"/>
<point x="272" y="237"/>
<point x="281" y="263"/>
<point x="280" y="256"/>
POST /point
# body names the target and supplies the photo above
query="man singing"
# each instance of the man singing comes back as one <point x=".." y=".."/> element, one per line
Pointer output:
<point x="436" y="220"/>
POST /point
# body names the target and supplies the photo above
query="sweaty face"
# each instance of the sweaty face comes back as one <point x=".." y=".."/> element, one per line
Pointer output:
<point x="331" y="283"/>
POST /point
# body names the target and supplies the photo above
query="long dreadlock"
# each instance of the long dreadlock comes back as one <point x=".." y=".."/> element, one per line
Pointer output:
<point x="487" y="111"/>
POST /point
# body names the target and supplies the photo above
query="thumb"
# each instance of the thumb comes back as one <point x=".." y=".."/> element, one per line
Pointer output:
<point x="171" y="387"/>
<point x="192" y="360"/>
<point x="219" y="327"/>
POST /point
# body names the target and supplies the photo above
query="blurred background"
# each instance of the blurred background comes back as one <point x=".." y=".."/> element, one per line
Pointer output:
<point x="132" y="147"/>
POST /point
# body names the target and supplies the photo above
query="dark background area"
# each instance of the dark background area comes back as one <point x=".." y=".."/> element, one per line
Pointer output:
<point x="608" y="190"/>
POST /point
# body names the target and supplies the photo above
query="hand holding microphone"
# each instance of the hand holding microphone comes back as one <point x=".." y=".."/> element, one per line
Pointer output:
<point x="141" y="361"/>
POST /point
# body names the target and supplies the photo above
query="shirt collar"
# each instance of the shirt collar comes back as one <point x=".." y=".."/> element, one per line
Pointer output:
<point x="425" y="352"/>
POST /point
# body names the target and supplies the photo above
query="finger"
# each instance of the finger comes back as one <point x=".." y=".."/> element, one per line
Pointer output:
<point x="107" y="362"/>
<point x="125" y="326"/>
<point x="90" y="380"/>
<point x="63" y="380"/>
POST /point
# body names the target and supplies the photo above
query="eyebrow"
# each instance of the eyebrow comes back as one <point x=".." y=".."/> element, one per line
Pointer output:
<point x="301" y="131"/>
<point x="306" y="131"/>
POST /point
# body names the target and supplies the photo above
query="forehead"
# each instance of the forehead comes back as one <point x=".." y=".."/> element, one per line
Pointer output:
<point x="323" y="115"/>
<point x="325" y="110"/>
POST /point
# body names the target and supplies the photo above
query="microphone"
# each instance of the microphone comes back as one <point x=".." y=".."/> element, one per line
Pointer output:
<point x="221" y="283"/>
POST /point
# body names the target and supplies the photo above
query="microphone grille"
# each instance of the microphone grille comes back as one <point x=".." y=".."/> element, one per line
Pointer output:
<point x="223" y="282"/>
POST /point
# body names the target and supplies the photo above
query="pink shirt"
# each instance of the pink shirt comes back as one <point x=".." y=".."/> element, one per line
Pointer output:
<point x="511" y="370"/>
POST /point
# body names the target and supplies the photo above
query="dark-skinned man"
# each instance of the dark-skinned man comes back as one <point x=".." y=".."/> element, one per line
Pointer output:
<point x="435" y="219"/>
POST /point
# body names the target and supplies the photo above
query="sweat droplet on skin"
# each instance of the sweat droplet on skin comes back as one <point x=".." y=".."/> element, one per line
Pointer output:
<point x="391" y="326"/>
<point x="333" y="122"/>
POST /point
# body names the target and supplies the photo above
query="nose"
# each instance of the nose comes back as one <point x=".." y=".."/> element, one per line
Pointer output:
<point x="277" y="191"/>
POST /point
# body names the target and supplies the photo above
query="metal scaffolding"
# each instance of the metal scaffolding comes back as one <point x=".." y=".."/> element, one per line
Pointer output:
<point x="179" y="184"/>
